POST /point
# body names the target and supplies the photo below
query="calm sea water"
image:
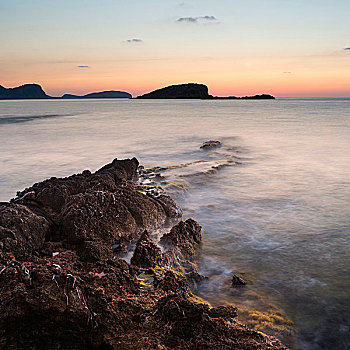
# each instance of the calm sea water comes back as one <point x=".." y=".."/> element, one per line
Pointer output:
<point x="273" y="200"/>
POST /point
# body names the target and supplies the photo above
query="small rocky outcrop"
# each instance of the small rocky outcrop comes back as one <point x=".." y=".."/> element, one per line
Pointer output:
<point x="210" y="144"/>
<point x="185" y="237"/>
<point x="64" y="284"/>
<point x="147" y="254"/>
<point x="238" y="281"/>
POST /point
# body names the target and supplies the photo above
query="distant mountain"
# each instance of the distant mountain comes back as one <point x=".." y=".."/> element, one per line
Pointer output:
<point x="195" y="91"/>
<point x="35" y="91"/>
<point x="103" y="94"/>
<point x="27" y="91"/>
<point x="182" y="91"/>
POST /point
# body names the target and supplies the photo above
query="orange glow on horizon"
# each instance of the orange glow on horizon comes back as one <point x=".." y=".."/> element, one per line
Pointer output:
<point x="238" y="79"/>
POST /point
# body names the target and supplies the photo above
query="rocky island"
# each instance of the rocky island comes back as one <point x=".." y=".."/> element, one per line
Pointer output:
<point x="35" y="91"/>
<point x="82" y="268"/>
<point x="27" y="91"/>
<point x="181" y="91"/>
<point x="194" y="91"/>
<point x="103" y="94"/>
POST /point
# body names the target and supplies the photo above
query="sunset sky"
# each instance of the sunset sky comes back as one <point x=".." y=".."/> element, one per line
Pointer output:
<point x="282" y="47"/>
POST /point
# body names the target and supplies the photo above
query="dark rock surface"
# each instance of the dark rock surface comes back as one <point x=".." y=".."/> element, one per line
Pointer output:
<point x="237" y="281"/>
<point x="64" y="285"/>
<point x="147" y="253"/>
<point x="27" y="91"/>
<point x="102" y="94"/>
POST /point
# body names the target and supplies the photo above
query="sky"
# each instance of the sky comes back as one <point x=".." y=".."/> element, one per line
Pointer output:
<point x="283" y="47"/>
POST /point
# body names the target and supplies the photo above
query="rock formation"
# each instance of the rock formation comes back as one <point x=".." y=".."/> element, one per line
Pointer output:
<point x="35" y="91"/>
<point x="27" y="91"/>
<point x="182" y="91"/>
<point x="64" y="284"/>
<point x="210" y="144"/>
<point x="194" y="91"/>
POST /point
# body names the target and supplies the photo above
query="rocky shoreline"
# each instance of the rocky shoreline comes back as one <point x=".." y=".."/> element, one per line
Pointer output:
<point x="81" y="268"/>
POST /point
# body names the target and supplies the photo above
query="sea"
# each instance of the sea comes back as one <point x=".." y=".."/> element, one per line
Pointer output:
<point x="273" y="199"/>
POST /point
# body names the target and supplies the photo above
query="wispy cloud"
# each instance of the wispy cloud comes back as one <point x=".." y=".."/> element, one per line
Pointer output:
<point x="83" y="66"/>
<point x="183" y="5"/>
<point x="188" y="19"/>
<point x="201" y="19"/>
<point x="137" y="41"/>
<point x="208" y="18"/>
<point x="347" y="48"/>
<point x="287" y="72"/>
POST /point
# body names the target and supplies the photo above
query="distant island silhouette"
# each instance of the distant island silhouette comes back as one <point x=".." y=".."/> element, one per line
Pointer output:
<point x="181" y="91"/>
<point x="35" y="91"/>
<point x="103" y="94"/>
<point x="27" y="91"/>
<point x="195" y="91"/>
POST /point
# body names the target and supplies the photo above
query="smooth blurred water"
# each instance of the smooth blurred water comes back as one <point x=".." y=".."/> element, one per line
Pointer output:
<point x="273" y="201"/>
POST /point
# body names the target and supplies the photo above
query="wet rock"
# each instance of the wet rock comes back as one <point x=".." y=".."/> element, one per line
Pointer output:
<point x="21" y="231"/>
<point x="237" y="281"/>
<point x="62" y="287"/>
<point x="121" y="169"/>
<point x="171" y="209"/>
<point x="210" y="144"/>
<point x="226" y="312"/>
<point x="185" y="237"/>
<point x="147" y="254"/>
<point x="194" y="278"/>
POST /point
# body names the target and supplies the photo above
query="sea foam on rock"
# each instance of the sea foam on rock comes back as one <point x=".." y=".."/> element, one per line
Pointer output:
<point x="63" y="283"/>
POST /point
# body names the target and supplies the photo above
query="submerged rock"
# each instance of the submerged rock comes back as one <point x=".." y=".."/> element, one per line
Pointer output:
<point x="237" y="281"/>
<point x="210" y="144"/>
<point x="64" y="287"/>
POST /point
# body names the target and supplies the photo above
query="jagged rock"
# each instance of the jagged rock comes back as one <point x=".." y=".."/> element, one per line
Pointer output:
<point x="63" y="288"/>
<point x="185" y="237"/>
<point x="21" y="231"/>
<point x="100" y="206"/>
<point x="147" y="253"/>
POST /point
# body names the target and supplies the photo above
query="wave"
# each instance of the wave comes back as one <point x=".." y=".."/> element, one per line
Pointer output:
<point x="8" y="119"/>
<point x="178" y="178"/>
